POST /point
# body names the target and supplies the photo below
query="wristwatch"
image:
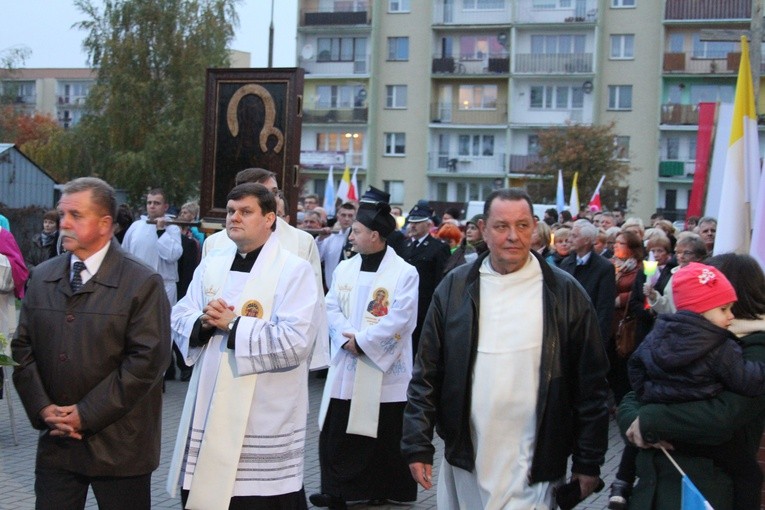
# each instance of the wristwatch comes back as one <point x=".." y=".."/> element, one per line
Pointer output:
<point x="231" y="323"/>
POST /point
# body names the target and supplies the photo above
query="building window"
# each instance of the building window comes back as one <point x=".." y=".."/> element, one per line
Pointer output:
<point x="395" y="144"/>
<point x="340" y="49"/>
<point x="623" y="46"/>
<point x="712" y="49"/>
<point x="395" y="96"/>
<point x="477" y="5"/>
<point x="623" y="3"/>
<point x="396" y="191"/>
<point x="398" y="48"/>
<point x="621" y="147"/>
<point x="475" y="145"/>
<point x="556" y="97"/>
<point x="712" y="93"/>
<point x="399" y="6"/>
<point x="673" y="148"/>
<point x="479" y="47"/>
<point x="556" y="44"/>
<point x="350" y="143"/>
<point x="339" y="96"/>
<point x="620" y="97"/>
<point x="478" y="97"/>
<point x="532" y="145"/>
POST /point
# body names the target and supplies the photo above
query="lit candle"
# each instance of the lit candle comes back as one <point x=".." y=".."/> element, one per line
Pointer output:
<point x="649" y="268"/>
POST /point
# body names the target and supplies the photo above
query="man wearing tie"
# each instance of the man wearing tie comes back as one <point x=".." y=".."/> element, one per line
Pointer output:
<point x="335" y="247"/>
<point x="593" y="272"/>
<point x="92" y="347"/>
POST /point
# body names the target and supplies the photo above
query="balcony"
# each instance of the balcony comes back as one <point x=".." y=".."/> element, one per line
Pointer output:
<point x="694" y="10"/>
<point x="452" y="15"/>
<point x="25" y="100"/>
<point x="676" y="169"/>
<point x="450" y="113"/>
<point x="471" y="65"/>
<point x="345" y="13"/>
<point x="679" y="114"/>
<point x="553" y="63"/>
<point x="686" y="63"/>
<point x="582" y="11"/>
<point x="526" y="117"/>
<point x="319" y="66"/>
<point x="317" y="115"/>
<point x="521" y="163"/>
<point x="71" y="101"/>
<point x="462" y="165"/>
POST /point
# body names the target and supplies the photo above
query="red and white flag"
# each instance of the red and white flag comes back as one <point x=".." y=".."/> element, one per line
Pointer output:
<point x="595" y="205"/>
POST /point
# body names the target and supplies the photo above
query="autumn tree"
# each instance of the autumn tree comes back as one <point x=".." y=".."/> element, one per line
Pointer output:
<point x="145" y="112"/>
<point x="588" y="150"/>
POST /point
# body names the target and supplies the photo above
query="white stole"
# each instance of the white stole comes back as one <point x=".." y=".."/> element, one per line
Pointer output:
<point x="215" y="473"/>
<point x="367" y="383"/>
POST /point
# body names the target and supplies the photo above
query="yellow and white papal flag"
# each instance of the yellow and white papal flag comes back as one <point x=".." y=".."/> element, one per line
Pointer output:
<point x="742" y="167"/>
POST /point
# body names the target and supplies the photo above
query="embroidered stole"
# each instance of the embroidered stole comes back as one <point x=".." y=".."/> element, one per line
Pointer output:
<point x="367" y="382"/>
<point x="215" y="473"/>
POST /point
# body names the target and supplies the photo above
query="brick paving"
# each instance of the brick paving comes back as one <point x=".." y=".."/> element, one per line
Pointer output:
<point x="17" y="461"/>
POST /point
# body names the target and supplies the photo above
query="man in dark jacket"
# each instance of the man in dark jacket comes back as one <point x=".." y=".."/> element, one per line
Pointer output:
<point x="428" y="255"/>
<point x="593" y="272"/>
<point x="92" y="345"/>
<point x="496" y="329"/>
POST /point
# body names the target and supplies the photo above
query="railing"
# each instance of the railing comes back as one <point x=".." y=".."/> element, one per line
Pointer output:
<point x="316" y="66"/>
<point x="466" y="165"/>
<point x="453" y="14"/>
<point x="674" y="168"/>
<point x="71" y="100"/>
<point x="708" y="9"/>
<point x="522" y="163"/>
<point x="29" y="99"/>
<point x="687" y="63"/>
<point x="538" y="63"/>
<point x="335" y="18"/>
<point x="335" y="115"/>
<point x="450" y="113"/>
<point x="490" y="64"/>
<point x="581" y="11"/>
<point x="679" y="114"/>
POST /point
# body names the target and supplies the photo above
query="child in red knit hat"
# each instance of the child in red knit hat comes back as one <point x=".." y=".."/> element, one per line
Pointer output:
<point x="691" y="355"/>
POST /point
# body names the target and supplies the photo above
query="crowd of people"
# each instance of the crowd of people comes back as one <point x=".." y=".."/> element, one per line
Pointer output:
<point x="505" y="333"/>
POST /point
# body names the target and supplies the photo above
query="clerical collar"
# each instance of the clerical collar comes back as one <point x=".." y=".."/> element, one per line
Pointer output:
<point x="243" y="262"/>
<point x="371" y="262"/>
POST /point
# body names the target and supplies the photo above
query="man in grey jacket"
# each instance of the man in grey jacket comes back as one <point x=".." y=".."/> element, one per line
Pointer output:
<point x="92" y="347"/>
<point x="511" y="370"/>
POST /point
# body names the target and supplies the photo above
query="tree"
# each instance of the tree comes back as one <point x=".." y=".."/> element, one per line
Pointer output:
<point x="143" y="126"/>
<point x="588" y="150"/>
<point x="10" y="60"/>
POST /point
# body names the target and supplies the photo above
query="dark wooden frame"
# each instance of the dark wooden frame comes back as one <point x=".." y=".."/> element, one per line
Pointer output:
<point x="259" y="95"/>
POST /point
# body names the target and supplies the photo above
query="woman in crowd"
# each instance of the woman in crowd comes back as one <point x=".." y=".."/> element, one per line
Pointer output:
<point x="451" y="235"/>
<point x="689" y="248"/>
<point x="540" y="239"/>
<point x="729" y="416"/>
<point x="45" y="243"/>
<point x="628" y="261"/>
<point x="560" y="246"/>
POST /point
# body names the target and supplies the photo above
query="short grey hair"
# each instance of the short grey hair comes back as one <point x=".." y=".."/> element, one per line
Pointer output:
<point x="101" y="193"/>
<point x="587" y="230"/>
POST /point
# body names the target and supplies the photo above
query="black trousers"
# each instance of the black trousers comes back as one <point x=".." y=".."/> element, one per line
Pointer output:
<point x="58" y="489"/>
<point x="291" y="501"/>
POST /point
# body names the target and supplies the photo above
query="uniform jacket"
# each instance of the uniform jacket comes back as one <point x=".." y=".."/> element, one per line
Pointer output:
<point x="686" y="357"/>
<point x="429" y="259"/>
<point x="729" y="416"/>
<point x="572" y="416"/>
<point x="105" y="349"/>
<point x="598" y="279"/>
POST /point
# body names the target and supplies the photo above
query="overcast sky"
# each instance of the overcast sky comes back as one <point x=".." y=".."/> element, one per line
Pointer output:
<point x="45" y="27"/>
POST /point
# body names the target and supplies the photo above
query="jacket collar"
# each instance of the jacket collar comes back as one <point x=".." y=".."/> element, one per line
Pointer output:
<point x="108" y="274"/>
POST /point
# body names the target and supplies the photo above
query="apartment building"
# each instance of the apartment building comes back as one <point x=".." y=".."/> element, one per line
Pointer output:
<point x="445" y="98"/>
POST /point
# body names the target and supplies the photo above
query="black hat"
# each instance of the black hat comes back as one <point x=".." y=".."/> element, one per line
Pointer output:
<point x="475" y="219"/>
<point x="376" y="216"/>
<point x="373" y="194"/>
<point x="420" y="212"/>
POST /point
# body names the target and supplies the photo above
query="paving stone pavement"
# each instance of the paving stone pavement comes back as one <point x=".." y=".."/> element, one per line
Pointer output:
<point x="17" y="461"/>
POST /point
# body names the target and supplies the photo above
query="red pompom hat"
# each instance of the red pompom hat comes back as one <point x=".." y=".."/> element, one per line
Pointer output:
<point x="699" y="288"/>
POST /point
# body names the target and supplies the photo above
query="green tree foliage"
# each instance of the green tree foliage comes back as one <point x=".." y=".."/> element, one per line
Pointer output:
<point x="581" y="148"/>
<point x="10" y="60"/>
<point x="145" y="113"/>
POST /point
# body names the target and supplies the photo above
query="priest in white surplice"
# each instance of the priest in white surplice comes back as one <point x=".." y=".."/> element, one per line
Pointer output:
<point x="512" y="373"/>
<point x="372" y="311"/>
<point x="246" y="322"/>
